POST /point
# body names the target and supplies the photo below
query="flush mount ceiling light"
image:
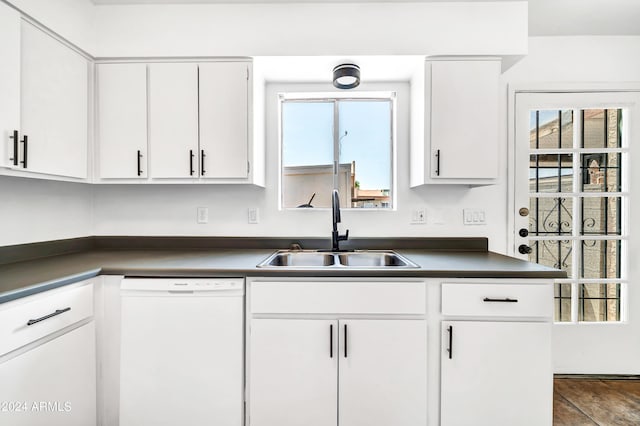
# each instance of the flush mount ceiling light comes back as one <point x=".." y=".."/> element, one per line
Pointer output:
<point x="346" y="76"/>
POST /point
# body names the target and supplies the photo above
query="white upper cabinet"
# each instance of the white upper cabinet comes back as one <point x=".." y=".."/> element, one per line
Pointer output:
<point x="460" y="124"/>
<point x="9" y="85"/>
<point x="224" y="120"/>
<point x="173" y="120"/>
<point x="54" y="106"/>
<point x="122" y="120"/>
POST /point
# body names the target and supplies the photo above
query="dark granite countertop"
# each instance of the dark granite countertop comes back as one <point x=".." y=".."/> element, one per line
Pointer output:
<point x="26" y="277"/>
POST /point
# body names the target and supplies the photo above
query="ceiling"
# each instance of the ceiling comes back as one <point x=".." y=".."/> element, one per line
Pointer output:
<point x="546" y="17"/>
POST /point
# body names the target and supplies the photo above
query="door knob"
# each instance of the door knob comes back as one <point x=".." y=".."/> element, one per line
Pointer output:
<point x="524" y="249"/>
<point x="524" y="212"/>
<point x="523" y="232"/>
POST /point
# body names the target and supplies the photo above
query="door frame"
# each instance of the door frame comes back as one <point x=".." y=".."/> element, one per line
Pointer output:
<point x="569" y="359"/>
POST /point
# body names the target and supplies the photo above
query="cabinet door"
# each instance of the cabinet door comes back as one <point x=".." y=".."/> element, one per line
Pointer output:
<point x="54" y="105"/>
<point x="224" y="119"/>
<point x="173" y="120"/>
<point x="383" y="373"/>
<point x="122" y="120"/>
<point x="293" y="372"/>
<point x="497" y="374"/>
<point x="54" y="384"/>
<point x="464" y="119"/>
<point x="9" y="84"/>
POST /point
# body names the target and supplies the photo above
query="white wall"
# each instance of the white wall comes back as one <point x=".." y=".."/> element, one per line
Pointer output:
<point x="576" y="62"/>
<point x="72" y="19"/>
<point x="441" y="28"/>
<point x="171" y="210"/>
<point x="38" y="210"/>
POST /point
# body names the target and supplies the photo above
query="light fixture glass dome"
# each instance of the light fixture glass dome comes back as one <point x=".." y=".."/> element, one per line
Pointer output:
<point x="346" y="76"/>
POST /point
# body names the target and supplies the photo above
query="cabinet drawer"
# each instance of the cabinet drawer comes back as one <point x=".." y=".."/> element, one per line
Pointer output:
<point x="342" y="297"/>
<point x="498" y="300"/>
<point x="71" y="305"/>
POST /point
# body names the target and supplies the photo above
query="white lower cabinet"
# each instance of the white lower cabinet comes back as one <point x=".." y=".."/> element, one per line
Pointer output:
<point x="352" y="370"/>
<point x="294" y="377"/>
<point x="53" y="384"/>
<point x="496" y="373"/>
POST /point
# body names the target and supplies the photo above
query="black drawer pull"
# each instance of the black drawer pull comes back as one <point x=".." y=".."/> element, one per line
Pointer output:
<point x="57" y="312"/>
<point x="450" y="350"/>
<point x="438" y="162"/>
<point x="345" y="340"/>
<point x="202" y="155"/>
<point x="25" y="150"/>
<point x="331" y="341"/>
<point x="139" y="163"/>
<point x="506" y="299"/>
<point x="191" y="155"/>
<point x="15" y="147"/>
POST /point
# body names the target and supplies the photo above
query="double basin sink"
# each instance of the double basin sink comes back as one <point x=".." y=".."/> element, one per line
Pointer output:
<point x="365" y="259"/>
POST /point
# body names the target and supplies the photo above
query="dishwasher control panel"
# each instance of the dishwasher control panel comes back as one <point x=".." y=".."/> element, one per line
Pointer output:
<point x="183" y="285"/>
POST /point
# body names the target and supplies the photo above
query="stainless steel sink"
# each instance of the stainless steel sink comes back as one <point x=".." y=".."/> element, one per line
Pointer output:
<point x="374" y="259"/>
<point x="300" y="259"/>
<point x="363" y="259"/>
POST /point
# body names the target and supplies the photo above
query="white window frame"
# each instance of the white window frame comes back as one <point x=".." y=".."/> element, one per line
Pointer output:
<point x="390" y="96"/>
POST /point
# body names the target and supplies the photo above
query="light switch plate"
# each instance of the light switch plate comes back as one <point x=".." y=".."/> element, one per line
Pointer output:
<point x="202" y="215"/>
<point x="253" y="215"/>
<point x="474" y="217"/>
<point x="419" y="217"/>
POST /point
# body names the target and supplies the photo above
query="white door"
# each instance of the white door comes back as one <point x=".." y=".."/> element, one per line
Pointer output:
<point x="293" y="372"/>
<point x="224" y="119"/>
<point x="572" y="204"/>
<point x="490" y="374"/>
<point x="53" y="384"/>
<point x="9" y="85"/>
<point x="383" y="373"/>
<point x="54" y="104"/>
<point x="173" y="120"/>
<point x="122" y="120"/>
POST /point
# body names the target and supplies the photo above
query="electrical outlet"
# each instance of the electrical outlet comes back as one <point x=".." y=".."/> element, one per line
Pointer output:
<point x="419" y="217"/>
<point x="253" y="215"/>
<point x="474" y="217"/>
<point x="202" y="215"/>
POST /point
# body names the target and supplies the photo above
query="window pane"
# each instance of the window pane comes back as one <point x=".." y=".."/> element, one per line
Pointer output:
<point x="599" y="302"/>
<point x="364" y="148"/>
<point x="551" y="173"/>
<point x="600" y="259"/>
<point x="601" y="216"/>
<point x="307" y="153"/>
<point x="562" y="302"/>
<point x="550" y="216"/>
<point x="601" y="172"/>
<point x="601" y="128"/>
<point x="552" y="253"/>
<point x="551" y="129"/>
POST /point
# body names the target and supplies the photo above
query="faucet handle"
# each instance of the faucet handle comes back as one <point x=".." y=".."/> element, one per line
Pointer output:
<point x="344" y="237"/>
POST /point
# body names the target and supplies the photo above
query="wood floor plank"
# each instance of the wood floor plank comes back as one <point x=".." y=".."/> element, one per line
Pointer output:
<point x="629" y="387"/>
<point x="566" y="414"/>
<point x="602" y="403"/>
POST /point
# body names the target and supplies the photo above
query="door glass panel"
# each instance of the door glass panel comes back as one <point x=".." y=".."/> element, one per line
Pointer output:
<point x="599" y="302"/>
<point x="600" y="259"/>
<point x="551" y="173"/>
<point x="552" y="253"/>
<point x="601" y="216"/>
<point x="550" y="216"/>
<point x="551" y="129"/>
<point x="601" y="172"/>
<point x="601" y="128"/>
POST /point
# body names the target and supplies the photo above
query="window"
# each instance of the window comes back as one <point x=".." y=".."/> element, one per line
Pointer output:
<point x="576" y="201"/>
<point x="337" y="143"/>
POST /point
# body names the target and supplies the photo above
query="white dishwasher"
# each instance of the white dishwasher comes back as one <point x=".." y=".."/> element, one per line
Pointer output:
<point x="181" y="352"/>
